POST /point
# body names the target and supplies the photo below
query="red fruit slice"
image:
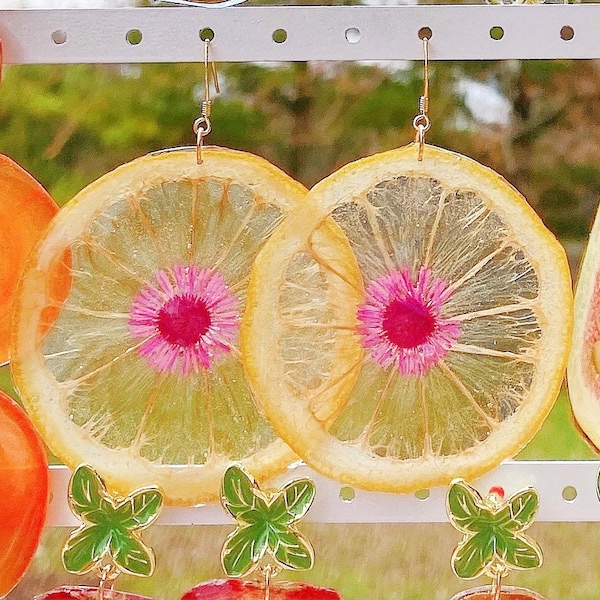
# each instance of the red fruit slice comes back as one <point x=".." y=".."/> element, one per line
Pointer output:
<point x="507" y="592"/>
<point x="503" y="596"/>
<point x="236" y="589"/>
<point x="86" y="593"/>
<point x="24" y="492"/>
<point x="25" y="210"/>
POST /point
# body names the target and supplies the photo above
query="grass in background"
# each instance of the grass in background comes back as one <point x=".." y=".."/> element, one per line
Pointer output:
<point x="559" y="438"/>
<point x="363" y="562"/>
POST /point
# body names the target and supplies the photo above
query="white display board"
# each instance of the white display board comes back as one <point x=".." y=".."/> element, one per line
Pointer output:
<point x="347" y="33"/>
<point x="567" y="492"/>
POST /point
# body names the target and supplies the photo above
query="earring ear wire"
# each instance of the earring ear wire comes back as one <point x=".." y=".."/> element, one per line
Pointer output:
<point x="202" y="125"/>
<point x="421" y="122"/>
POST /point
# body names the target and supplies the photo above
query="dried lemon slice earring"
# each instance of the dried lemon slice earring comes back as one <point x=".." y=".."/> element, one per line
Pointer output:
<point x="459" y="327"/>
<point x="137" y="371"/>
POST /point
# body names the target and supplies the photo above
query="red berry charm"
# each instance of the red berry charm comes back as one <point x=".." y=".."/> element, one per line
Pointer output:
<point x="236" y="589"/>
<point x="87" y="593"/>
<point x="498" y="491"/>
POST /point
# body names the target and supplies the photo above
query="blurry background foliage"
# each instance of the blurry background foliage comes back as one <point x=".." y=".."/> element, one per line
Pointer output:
<point x="535" y="122"/>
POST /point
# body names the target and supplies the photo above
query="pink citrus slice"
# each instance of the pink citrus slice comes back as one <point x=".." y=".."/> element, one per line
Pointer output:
<point x="583" y="371"/>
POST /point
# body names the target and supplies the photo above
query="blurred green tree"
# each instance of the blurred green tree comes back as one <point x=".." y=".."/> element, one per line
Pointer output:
<point x="70" y="124"/>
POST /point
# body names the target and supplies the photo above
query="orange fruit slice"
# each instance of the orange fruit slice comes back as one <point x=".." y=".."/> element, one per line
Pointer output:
<point x="583" y="371"/>
<point x="26" y="210"/>
<point x="460" y="325"/>
<point x="24" y="472"/>
<point x="139" y="372"/>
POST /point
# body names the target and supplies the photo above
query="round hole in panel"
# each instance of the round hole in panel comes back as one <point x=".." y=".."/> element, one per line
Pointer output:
<point x="347" y="494"/>
<point x="280" y="36"/>
<point x="422" y="495"/>
<point x="497" y="33"/>
<point x="207" y="34"/>
<point x="353" y="35"/>
<point x="134" y="37"/>
<point x="425" y="32"/>
<point x="59" y="36"/>
<point x="567" y="33"/>
<point x="569" y="493"/>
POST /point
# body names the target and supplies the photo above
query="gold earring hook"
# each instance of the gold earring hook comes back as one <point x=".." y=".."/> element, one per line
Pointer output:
<point x="421" y="122"/>
<point x="202" y="125"/>
<point x="209" y="66"/>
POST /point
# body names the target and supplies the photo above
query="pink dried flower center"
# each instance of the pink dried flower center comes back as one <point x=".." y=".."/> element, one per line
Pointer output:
<point x="187" y="321"/>
<point x="183" y="320"/>
<point x="407" y="322"/>
<point x="402" y="324"/>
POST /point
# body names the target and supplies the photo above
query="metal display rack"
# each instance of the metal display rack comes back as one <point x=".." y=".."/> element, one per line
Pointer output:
<point x="327" y="33"/>
<point x="348" y="33"/>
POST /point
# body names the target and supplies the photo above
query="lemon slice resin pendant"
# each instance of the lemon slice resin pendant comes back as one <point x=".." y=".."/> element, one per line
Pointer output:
<point x="460" y="322"/>
<point x="137" y="370"/>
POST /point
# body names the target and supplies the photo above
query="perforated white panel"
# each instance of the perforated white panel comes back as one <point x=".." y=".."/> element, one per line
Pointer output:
<point x="241" y="33"/>
<point x="555" y="481"/>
